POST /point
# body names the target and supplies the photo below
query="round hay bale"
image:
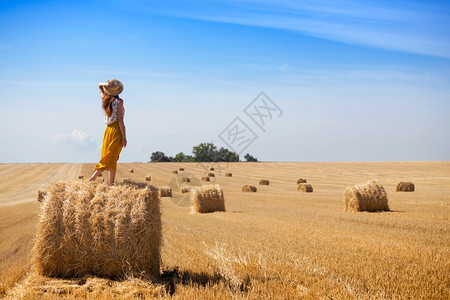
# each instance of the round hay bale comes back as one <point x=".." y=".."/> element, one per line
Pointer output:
<point x="248" y="188"/>
<point x="99" y="230"/>
<point x="207" y="198"/>
<point x="185" y="189"/>
<point x="205" y="178"/>
<point x="185" y="179"/>
<point x="211" y="169"/>
<point x="81" y="177"/>
<point x="165" y="191"/>
<point x="174" y="172"/>
<point x="181" y="169"/>
<point x="41" y="195"/>
<point x="301" y="180"/>
<point x="369" y="196"/>
<point x="131" y="170"/>
<point x="211" y="175"/>
<point x="305" y="187"/>
<point x="264" y="182"/>
<point x="407" y="186"/>
<point x="228" y="174"/>
<point x="148" y="178"/>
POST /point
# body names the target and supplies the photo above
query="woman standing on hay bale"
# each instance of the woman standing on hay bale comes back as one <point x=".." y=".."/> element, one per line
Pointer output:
<point x="114" y="138"/>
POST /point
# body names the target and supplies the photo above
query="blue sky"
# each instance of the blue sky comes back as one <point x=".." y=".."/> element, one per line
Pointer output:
<point x="356" y="80"/>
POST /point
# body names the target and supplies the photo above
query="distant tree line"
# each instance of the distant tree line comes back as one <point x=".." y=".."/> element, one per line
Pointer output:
<point x="204" y="152"/>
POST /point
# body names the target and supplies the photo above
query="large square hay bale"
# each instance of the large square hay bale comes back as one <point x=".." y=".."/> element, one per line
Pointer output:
<point x="211" y="175"/>
<point x="369" y="196"/>
<point x="95" y="229"/>
<point x="148" y="178"/>
<point x="304" y="187"/>
<point x="207" y="198"/>
<point x="185" y="179"/>
<point x="228" y="174"/>
<point x="174" y="172"/>
<point x="205" y="178"/>
<point x="181" y="169"/>
<point x="405" y="186"/>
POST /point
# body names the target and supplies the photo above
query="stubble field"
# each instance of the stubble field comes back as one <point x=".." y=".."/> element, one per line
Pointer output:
<point x="276" y="243"/>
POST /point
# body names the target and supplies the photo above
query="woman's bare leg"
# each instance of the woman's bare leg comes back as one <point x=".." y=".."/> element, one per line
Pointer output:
<point x="112" y="176"/>
<point x="94" y="176"/>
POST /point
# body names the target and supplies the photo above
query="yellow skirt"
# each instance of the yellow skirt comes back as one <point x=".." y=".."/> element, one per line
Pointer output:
<point x="112" y="145"/>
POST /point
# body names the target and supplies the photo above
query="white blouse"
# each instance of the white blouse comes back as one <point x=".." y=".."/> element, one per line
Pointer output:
<point x="114" y="114"/>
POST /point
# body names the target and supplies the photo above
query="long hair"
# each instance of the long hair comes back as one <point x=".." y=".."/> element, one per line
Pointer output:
<point x="106" y="103"/>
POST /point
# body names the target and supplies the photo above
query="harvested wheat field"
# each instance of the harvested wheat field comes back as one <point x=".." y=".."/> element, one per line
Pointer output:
<point x="273" y="244"/>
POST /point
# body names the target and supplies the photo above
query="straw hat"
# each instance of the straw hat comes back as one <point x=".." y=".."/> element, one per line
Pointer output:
<point x="115" y="87"/>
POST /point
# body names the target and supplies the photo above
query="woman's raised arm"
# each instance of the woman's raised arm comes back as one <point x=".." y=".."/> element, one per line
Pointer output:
<point x="100" y="87"/>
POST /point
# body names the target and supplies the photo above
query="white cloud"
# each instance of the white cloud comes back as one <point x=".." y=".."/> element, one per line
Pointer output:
<point x="79" y="140"/>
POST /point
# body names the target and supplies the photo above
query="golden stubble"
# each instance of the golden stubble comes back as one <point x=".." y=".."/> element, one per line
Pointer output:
<point x="277" y="243"/>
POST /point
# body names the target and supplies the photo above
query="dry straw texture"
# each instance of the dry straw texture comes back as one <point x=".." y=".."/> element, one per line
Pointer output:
<point x="165" y="191"/>
<point x="207" y="198"/>
<point x="81" y="177"/>
<point x="185" y="189"/>
<point x="305" y="187"/>
<point x="301" y="180"/>
<point x="174" y="172"/>
<point x="369" y="196"/>
<point x="185" y="179"/>
<point x="264" y="182"/>
<point x="205" y="178"/>
<point x="211" y="175"/>
<point x="127" y="181"/>
<point x="181" y="169"/>
<point x="36" y="286"/>
<point x="95" y="229"/>
<point x="41" y="195"/>
<point x="405" y="186"/>
<point x="148" y="178"/>
<point x="131" y="170"/>
<point x="248" y="188"/>
<point x="228" y="174"/>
